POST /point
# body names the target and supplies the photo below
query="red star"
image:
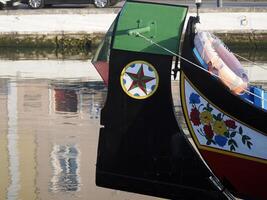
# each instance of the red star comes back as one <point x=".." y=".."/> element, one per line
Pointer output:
<point x="139" y="80"/>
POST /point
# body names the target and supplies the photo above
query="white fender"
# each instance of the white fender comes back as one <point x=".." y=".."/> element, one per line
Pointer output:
<point x="229" y="59"/>
<point x="221" y="62"/>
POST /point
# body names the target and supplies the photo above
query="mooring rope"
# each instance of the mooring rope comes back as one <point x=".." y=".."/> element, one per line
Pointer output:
<point x="253" y="63"/>
<point x="190" y="62"/>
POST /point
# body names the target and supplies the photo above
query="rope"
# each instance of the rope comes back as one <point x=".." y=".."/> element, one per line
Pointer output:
<point x="190" y="62"/>
<point x="253" y="63"/>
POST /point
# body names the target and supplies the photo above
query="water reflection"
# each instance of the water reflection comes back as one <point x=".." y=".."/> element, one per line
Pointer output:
<point x="49" y="126"/>
<point x="40" y="143"/>
<point x="65" y="160"/>
<point x="12" y="143"/>
<point x="48" y="139"/>
<point x="66" y="100"/>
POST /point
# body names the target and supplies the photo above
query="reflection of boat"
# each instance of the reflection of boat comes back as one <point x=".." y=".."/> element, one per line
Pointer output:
<point x="141" y="146"/>
<point x="229" y="130"/>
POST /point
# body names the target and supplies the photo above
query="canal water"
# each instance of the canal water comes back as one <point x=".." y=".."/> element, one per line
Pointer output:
<point x="49" y="126"/>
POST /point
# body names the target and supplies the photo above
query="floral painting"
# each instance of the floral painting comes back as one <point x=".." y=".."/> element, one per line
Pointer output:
<point x="217" y="128"/>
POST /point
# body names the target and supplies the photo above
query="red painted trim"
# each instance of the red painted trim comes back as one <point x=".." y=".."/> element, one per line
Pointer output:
<point x="103" y="69"/>
<point x="247" y="177"/>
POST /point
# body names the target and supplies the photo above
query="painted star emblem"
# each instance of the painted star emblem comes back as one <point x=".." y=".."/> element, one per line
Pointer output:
<point x="139" y="79"/>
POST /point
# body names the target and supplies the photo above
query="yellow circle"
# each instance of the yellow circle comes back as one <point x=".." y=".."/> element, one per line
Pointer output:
<point x="139" y="79"/>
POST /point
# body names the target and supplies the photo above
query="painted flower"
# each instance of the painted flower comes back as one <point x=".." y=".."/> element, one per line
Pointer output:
<point x="208" y="131"/>
<point x="206" y="117"/>
<point x="219" y="127"/>
<point x="220" y="140"/>
<point x="230" y="124"/>
<point x="194" y="116"/>
<point x="194" y="98"/>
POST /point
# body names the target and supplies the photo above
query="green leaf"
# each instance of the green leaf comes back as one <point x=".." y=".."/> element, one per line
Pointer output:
<point x="249" y="144"/>
<point x="234" y="143"/>
<point x="230" y="142"/>
<point x="240" y="130"/>
<point x="243" y="139"/>
<point x="212" y="141"/>
<point x="214" y="116"/>
<point x="247" y="137"/>
<point x="226" y="134"/>
<point x="208" y="142"/>
<point x="232" y="148"/>
<point x="233" y="134"/>
<point x="210" y="109"/>
<point x="219" y="116"/>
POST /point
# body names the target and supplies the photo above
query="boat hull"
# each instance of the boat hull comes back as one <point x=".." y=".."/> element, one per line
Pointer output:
<point x="247" y="176"/>
<point x="233" y="150"/>
<point x="230" y="133"/>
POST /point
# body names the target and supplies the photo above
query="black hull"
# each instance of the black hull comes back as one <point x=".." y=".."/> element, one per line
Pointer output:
<point x="141" y="147"/>
<point x="153" y="187"/>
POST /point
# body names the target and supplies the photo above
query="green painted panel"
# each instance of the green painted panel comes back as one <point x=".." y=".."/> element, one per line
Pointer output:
<point x="161" y="23"/>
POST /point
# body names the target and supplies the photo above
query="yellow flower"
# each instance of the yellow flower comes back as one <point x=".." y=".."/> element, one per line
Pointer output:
<point x="219" y="127"/>
<point x="206" y="117"/>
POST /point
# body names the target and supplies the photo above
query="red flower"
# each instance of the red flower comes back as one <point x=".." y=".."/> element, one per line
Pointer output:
<point x="208" y="131"/>
<point x="230" y="124"/>
<point x="194" y="116"/>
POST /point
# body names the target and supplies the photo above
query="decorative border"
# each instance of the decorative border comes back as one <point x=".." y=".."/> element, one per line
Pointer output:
<point x="144" y="79"/>
<point x="259" y="140"/>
